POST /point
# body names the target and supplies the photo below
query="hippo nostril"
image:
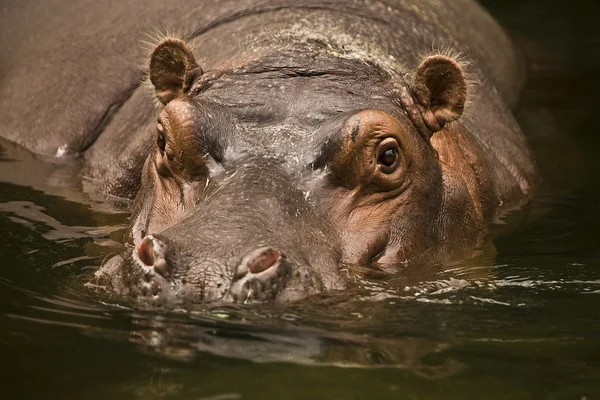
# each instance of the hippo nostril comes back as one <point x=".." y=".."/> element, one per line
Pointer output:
<point x="261" y="274"/>
<point x="259" y="260"/>
<point x="145" y="251"/>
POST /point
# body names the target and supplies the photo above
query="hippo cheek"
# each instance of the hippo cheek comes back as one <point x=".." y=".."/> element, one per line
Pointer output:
<point x="362" y="247"/>
<point x="390" y="256"/>
<point x="161" y="202"/>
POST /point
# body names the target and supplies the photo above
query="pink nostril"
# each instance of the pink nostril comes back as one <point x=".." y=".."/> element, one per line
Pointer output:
<point x="263" y="260"/>
<point x="145" y="251"/>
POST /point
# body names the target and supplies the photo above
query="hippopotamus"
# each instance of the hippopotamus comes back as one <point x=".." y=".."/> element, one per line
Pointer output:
<point x="275" y="149"/>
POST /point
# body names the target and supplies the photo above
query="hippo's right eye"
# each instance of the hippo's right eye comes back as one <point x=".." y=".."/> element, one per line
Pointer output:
<point x="160" y="140"/>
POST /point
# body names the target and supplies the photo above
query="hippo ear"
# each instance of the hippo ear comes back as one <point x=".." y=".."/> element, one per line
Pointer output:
<point x="441" y="90"/>
<point x="172" y="69"/>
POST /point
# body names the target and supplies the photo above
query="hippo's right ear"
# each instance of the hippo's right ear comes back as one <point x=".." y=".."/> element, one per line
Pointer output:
<point x="172" y="69"/>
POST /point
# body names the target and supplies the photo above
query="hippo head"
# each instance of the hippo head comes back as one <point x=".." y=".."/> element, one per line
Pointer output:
<point x="287" y="175"/>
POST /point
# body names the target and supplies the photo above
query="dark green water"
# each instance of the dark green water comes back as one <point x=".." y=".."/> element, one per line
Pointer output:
<point x="524" y="324"/>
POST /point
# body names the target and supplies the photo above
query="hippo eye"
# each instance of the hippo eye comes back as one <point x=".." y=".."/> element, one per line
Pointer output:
<point x="160" y="140"/>
<point x="388" y="155"/>
<point x="388" y="158"/>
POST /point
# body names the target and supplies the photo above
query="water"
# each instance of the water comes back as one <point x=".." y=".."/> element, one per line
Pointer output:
<point x="523" y="324"/>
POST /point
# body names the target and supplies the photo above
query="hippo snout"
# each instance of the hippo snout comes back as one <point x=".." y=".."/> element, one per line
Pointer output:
<point x="258" y="275"/>
<point x="252" y="235"/>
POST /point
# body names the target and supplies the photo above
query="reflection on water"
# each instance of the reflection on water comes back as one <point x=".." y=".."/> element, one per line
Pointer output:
<point x="518" y="321"/>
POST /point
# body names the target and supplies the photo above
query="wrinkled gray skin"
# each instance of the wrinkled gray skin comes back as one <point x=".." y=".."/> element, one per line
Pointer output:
<point x="268" y="187"/>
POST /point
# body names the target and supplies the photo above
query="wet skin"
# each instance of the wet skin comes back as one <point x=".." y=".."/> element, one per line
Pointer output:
<point x="330" y="142"/>
<point x="248" y="196"/>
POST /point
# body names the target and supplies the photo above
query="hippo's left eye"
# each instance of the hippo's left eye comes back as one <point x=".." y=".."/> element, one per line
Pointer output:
<point x="388" y="155"/>
<point x="160" y="140"/>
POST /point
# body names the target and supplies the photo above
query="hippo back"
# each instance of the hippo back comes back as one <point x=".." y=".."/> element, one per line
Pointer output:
<point x="70" y="68"/>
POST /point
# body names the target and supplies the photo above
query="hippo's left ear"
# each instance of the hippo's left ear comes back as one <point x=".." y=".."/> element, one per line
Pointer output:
<point x="440" y="89"/>
<point x="173" y="69"/>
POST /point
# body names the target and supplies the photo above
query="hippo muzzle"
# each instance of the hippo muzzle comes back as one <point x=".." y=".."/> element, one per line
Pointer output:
<point x="252" y="237"/>
<point x="259" y="275"/>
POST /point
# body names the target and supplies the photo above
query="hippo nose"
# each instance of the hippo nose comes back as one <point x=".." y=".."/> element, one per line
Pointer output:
<point x="151" y="252"/>
<point x="259" y="275"/>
